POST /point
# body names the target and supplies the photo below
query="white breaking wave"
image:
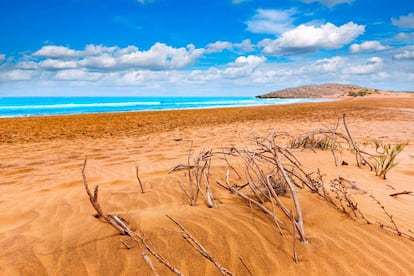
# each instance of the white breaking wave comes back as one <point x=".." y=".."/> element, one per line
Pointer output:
<point x="232" y="102"/>
<point x="52" y="106"/>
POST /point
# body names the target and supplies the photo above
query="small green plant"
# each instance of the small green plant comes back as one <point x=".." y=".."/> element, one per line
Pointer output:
<point x="386" y="160"/>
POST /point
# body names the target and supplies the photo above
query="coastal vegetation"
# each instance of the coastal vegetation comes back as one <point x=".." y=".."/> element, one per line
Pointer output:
<point x="361" y="92"/>
<point x="265" y="174"/>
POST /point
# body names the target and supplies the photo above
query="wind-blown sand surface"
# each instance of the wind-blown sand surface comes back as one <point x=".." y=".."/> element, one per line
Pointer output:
<point x="47" y="224"/>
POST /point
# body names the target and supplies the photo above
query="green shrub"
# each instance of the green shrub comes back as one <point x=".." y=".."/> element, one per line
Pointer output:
<point x="384" y="162"/>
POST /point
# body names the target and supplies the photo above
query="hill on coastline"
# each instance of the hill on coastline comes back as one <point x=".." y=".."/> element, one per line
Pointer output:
<point x="330" y="90"/>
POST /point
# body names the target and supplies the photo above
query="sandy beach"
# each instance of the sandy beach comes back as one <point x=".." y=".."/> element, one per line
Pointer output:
<point x="47" y="224"/>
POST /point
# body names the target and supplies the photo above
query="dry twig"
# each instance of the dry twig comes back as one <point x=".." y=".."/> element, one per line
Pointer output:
<point x="138" y="178"/>
<point x="245" y="265"/>
<point x="395" y="228"/>
<point x="121" y="226"/>
<point x="401" y="193"/>
<point x="125" y="244"/>
<point x="360" y="160"/>
<point x="199" y="247"/>
<point x="149" y="262"/>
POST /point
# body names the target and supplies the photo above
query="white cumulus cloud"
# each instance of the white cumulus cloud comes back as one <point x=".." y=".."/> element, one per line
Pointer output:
<point x="271" y="21"/>
<point x="367" y="46"/>
<point x="27" y="65"/>
<point x="2" y="58"/>
<point x="54" y="64"/>
<point x="243" y="66"/>
<point x="16" y="75"/>
<point x="372" y="65"/>
<point x="245" y="46"/>
<point x="404" y="21"/>
<point x="250" y="61"/>
<point x="306" y="38"/>
<point x="218" y="46"/>
<point x="158" y="57"/>
<point x="329" y="3"/>
<point x="328" y="65"/>
<point x="96" y="50"/>
<point x="162" y="56"/>
<point x="104" y="61"/>
<point x="404" y="36"/>
<point x="405" y="53"/>
<point x="77" y="75"/>
<point x="56" y="52"/>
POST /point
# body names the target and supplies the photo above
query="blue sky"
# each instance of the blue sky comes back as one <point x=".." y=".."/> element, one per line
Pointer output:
<point x="202" y="48"/>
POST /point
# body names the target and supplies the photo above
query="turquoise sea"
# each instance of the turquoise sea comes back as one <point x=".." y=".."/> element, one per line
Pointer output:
<point x="41" y="106"/>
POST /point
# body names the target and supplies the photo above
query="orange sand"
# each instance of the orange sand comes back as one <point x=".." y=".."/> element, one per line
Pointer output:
<point x="47" y="225"/>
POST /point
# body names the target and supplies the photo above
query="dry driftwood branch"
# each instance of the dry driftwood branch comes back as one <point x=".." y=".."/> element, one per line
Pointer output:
<point x="257" y="191"/>
<point x="299" y="220"/>
<point x="245" y="265"/>
<point x="351" y="183"/>
<point x="258" y="204"/>
<point x="185" y="192"/>
<point x="142" y="238"/>
<point x="357" y="152"/>
<point x="209" y="194"/>
<point x="337" y="196"/>
<point x="125" y="244"/>
<point x="344" y="201"/>
<point x="265" y="186"/>
<point x="198" y="174"/>
<point x="138" y="178"/>
<point x="180" y="167"/>
<point x="395" y="227"/>
<point x="199" y="247"/>
<point x="295" y="254"/>
<point x="149" y="262"/>
<point x="285" y="210"/>
<point x="230" y="152"/>
<point x="94" y="201"/>
<point x="401" y="193"/>
<point x="360" y="160"/>
<point x="121" y="226"/>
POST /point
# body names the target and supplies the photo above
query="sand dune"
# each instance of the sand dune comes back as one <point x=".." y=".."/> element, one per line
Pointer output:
<point x="47" y="225"/>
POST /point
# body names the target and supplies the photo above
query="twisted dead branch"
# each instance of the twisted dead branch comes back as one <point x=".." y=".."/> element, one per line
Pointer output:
<point x="198" y="174"/>
<point x="252" y="201"/>
<point x="149" y="263"/>
<point x="245" y="265"/>
<point x="360" y="160"/>
<point x="125" y="244"/>
<point x="122" y="227"/>
<point x="138" y="178"/>
<point x="390" y="217"/>
<point x="401" y="193"/>
<point x="199" y="247"/>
